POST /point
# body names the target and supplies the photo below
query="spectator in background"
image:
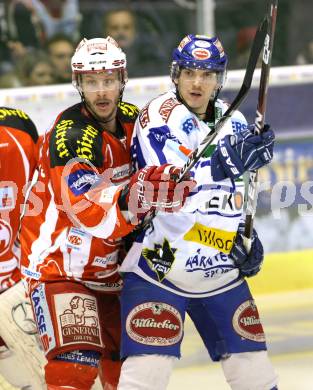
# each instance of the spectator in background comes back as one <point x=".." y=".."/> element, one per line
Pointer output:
<point x="306" y="55"/>
<point x="57" y="16"/>
<point x="19" y="33"/>
<point x="121" y="24"/>
<point x="37" y="70"/>
<point x="60" y="49"/>
<point x="34" y="69"/>
<point x="245" y="38"/>
<point x="145" y="55"/>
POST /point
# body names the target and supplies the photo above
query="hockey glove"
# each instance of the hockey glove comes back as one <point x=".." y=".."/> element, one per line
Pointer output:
<point x="248" y="264"/>
<point x="154" y="188"/>
<point x="243" y="151"/>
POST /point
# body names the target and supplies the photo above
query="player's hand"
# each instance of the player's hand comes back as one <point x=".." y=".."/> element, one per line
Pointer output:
<point x="249" y="264"/>
<point x="243" y="151"/>
<point x="154" y="188"/>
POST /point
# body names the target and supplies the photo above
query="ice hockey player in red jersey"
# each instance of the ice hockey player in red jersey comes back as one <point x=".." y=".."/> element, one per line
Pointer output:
<point x="18" y="160"/>
<point x="73" y="247"/>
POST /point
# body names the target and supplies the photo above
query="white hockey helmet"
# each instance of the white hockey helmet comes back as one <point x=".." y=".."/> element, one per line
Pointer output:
<point x="98" y="55"/>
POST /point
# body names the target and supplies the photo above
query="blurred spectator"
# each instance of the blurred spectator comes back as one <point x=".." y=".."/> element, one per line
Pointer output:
<point x="37" y="70"/>
<point x="306" y="56"/>
<point x="57" y="16"/>
<point x="245" y="38"/>
<point x="19" y="32"/>
<point x="34" y="69"/>
<point x="145" y="55"/>
<point x="121" y="25"/>
<point x="23" y="25"/>
<point x="60" y="49"/>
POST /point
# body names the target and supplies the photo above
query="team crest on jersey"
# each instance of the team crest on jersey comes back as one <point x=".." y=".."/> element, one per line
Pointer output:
<point x="190" y="124"/>
<point x="160" y="259"/>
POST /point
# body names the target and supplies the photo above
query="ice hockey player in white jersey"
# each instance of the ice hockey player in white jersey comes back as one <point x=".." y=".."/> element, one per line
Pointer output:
<point x="194" y="261"/>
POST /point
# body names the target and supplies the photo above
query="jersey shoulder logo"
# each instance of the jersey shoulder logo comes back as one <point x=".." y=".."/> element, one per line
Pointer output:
<point x="19" y="120"/>
<point x="73" y="136"/>
<point x="127" y="112"/>
<point x="167" y="107"/>
<point x="144" y="116"/>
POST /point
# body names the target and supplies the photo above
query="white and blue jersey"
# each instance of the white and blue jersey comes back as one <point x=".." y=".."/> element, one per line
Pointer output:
<point x="187" y="252"/>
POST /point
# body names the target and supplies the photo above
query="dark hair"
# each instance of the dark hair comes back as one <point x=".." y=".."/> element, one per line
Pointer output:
<point x="60" y="37"/>
<point x="28" y="63"/>
<point x="114" y="11"/>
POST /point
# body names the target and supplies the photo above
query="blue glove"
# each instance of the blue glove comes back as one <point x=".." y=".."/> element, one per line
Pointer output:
<point x="248" y="264"/>
<point x="243" y="151"/>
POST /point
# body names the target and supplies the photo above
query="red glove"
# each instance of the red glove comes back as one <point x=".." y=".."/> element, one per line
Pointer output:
<point x="154" y="188"/>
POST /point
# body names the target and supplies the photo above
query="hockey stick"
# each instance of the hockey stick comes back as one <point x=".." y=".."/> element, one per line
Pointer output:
<point x="259" y="121"/>
<point x="256" y="49"/>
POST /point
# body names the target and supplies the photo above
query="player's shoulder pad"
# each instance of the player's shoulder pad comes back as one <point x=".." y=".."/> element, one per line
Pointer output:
<point x="75" y="135"/>
<point x="18" y="119"/>
<point x="127" y="112"/>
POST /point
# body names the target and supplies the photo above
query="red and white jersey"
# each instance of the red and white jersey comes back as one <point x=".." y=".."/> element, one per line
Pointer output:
<point x="18" y="160"/>
<point x="74" y="226"/>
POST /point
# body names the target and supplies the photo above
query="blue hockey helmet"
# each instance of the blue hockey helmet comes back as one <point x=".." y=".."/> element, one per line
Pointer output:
<point x="200" y="52"/>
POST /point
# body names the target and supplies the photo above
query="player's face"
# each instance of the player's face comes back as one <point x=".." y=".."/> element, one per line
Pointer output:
<point x="101" y="92"/>
<point x="196" y="86"/>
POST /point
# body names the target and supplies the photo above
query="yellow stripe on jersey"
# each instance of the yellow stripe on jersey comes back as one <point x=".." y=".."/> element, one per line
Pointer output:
<point x="221" y="240"/>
